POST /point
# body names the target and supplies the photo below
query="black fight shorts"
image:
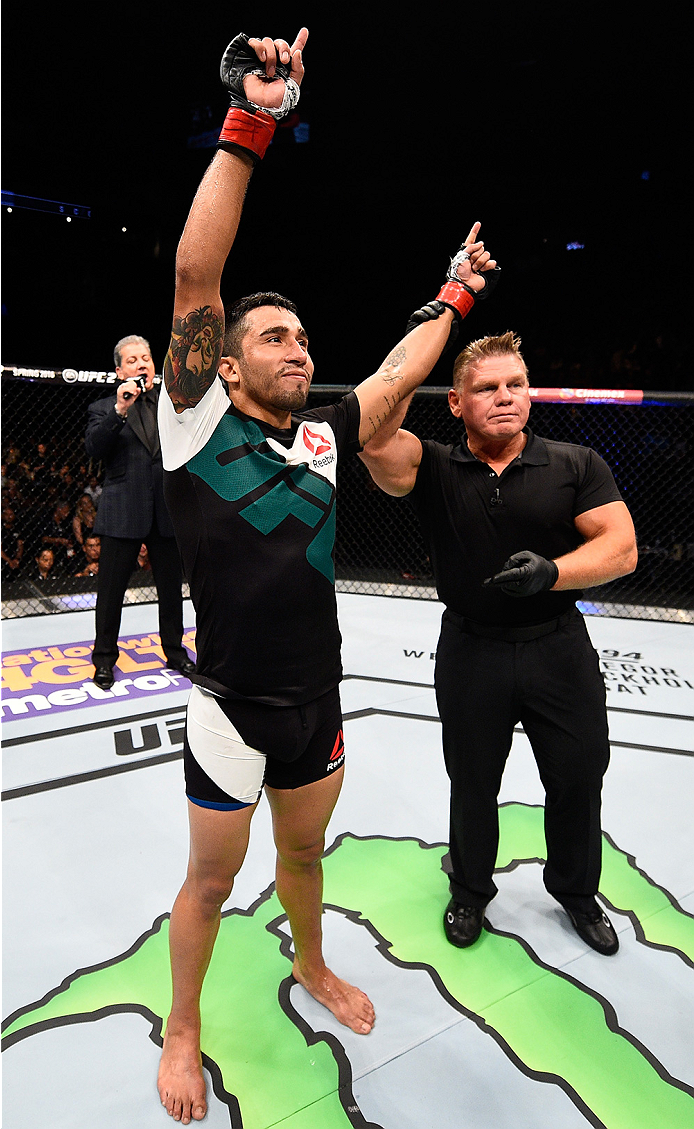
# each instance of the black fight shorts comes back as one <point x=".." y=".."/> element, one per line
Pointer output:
<point x="232" y="748"/>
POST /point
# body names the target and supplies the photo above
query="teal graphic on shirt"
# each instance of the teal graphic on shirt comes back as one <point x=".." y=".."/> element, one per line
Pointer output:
<point x="237" y="461"/>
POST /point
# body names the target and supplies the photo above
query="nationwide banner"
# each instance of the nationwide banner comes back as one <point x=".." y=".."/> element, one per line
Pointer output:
<point x="54" y="679"/>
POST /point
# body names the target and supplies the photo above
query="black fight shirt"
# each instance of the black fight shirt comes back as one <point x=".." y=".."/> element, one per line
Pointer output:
<point x="473" y="520"/>
<point x="254" y="516"/>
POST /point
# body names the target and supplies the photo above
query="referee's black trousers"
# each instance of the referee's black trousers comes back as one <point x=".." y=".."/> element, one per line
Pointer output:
<point x="553" y="686"/>
<point x="117" y="562"/>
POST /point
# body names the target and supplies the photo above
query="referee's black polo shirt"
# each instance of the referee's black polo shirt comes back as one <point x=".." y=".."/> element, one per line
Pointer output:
<point x="474" y="519"/>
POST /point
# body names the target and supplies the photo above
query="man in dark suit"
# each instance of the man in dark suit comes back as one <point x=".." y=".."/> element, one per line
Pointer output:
<point x="122" y="431"/>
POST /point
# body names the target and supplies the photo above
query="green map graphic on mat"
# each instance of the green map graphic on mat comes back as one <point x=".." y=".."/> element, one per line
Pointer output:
<point x="395" y="885"/>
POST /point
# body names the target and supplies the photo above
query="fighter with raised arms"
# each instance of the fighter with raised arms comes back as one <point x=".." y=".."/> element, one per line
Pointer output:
<point x="250" y="484"/>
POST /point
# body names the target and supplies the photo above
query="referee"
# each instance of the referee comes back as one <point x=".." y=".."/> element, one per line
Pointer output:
<point x="516" y="525"/>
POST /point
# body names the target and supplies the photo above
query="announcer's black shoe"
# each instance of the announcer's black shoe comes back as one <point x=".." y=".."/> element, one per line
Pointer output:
<point x="185" y="666"/>
<point x="462" y="924"/>
<point x="596" y="929"/>
<point x="103" y="676"/>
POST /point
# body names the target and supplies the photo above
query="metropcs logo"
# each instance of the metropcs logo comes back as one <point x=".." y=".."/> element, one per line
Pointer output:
<point x="315" y="442"/>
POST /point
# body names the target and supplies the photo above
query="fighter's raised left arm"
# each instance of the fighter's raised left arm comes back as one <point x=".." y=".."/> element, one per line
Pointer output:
<point x="608" y="549"/>
<point x="413" y="358"/>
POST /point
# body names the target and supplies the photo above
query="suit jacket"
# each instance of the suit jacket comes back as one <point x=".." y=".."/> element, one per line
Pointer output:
<point x="133" y="489"/>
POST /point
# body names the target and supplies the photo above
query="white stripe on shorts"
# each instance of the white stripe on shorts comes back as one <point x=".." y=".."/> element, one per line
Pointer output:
<point x="219" y="749"/>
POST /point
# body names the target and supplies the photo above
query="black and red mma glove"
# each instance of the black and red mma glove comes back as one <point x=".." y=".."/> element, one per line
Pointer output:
<point x="247" y="126"/>
<point x="456" y="295"/>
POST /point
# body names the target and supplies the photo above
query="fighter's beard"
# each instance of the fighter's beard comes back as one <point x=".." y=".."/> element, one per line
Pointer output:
<point x="271" y="393"/>
<point x="289" y="399"/>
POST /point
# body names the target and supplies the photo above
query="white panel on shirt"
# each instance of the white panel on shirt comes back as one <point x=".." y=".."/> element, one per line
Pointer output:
<point x="184" y="434"/>
<point x="314" y="445"/>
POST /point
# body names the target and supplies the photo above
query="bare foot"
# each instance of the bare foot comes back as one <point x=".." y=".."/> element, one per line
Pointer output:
<point x="181" y="1083"/>
<point x="348" y="1004"/>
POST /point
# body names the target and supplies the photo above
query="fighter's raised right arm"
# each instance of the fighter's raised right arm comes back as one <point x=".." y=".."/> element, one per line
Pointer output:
<point x="257" y="101"/>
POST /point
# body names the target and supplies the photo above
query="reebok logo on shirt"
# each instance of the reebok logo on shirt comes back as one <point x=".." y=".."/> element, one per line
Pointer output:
<point x="315" y="442"/>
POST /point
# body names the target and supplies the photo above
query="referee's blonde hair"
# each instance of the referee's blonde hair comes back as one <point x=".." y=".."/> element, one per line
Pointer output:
<point x="505" y="345"/>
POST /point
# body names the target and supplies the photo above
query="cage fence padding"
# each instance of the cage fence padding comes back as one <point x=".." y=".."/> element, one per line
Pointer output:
<point x="379" y="548"/>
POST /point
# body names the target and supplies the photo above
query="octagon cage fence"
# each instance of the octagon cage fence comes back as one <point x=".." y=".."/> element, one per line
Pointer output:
<point x="646" y="438"/>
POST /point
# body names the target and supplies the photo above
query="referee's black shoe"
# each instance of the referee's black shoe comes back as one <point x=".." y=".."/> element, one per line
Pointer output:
<point x="462" y="924"/>
<point x="595" y="928"/>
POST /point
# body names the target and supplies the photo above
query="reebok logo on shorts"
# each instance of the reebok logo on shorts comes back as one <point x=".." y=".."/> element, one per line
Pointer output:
<point x="338" y="754"/>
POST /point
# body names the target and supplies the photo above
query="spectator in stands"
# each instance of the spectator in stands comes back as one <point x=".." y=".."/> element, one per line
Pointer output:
<point x="52" y="494"/>
<point x="34" y="511"/>
<point x="122" y="430"/>
<point x="11" y="492"/>
<point x="91" y="553"/>
<point x="42" y="569"/>
<point x="12" y="546"/>
<point x="93" y="490"/>
<point x="69" y="488"/>
<point x="84" y="518"/>
<point x="12" y="455"/>
<point x="58" y="536"/>
<point x="54" y="472"/>
<point x="25" y="474"/>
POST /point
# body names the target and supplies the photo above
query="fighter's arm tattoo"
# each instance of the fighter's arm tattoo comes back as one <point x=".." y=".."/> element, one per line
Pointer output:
<point x="193" y="358"/>
<point x="390" y="374"/>
<point x="395" y="361"/>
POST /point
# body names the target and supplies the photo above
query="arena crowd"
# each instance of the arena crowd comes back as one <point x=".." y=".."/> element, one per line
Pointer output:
<point x="50" y="495"/>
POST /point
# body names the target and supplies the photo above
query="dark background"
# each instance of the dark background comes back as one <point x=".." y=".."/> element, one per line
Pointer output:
<point x="540" y="122"/>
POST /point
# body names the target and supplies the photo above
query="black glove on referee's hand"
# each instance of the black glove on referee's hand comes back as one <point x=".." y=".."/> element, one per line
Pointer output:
<point x="525" y="574"/>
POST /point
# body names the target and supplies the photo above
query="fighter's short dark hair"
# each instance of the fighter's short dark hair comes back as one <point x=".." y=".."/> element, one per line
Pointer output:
<point x="235" y="317"/>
